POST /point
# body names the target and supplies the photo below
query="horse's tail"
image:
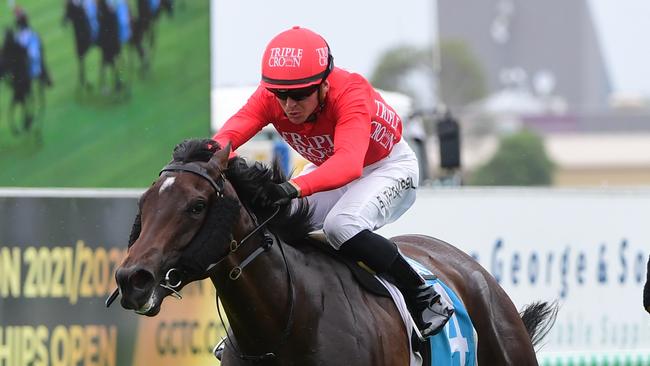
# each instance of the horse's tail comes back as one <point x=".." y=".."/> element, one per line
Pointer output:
<point x="539" y="317"/>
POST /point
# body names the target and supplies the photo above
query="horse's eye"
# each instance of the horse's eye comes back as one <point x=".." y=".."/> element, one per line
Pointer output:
<point x="197" y="207"/>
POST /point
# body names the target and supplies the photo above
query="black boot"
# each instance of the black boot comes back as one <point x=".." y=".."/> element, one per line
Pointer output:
<point x="646" y="289"/>
<point x="382" y="256"/>
<point x="428" y="312"/>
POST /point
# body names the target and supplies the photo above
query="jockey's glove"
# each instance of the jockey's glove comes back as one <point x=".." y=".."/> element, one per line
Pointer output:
<point x="280" y="194"/>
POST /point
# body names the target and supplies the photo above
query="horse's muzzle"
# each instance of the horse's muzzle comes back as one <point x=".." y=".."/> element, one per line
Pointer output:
<point x="136" y="284"/>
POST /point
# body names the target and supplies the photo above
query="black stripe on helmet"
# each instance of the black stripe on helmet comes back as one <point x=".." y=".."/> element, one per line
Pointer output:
<point x="320" y="76"/>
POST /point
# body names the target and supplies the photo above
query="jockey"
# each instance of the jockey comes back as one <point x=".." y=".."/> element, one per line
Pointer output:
<point x="362" y="174"/>
<point x="29" y="40"/>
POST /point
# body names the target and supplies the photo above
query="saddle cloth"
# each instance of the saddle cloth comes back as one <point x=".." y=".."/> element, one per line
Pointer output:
<point x="456" y="344"/>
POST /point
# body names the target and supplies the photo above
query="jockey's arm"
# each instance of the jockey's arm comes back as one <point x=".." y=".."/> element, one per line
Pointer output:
<point x="351" y="140"/>
<point x="244" y="124"/>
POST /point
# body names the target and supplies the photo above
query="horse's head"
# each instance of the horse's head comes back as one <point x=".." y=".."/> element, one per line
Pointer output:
<point x="185" y="223"/>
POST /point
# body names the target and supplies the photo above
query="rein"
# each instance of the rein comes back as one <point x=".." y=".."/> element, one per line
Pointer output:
<point x="173" y="278"/>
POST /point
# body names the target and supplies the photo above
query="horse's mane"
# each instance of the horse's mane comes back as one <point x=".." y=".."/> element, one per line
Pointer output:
<point x="248" y="181"/>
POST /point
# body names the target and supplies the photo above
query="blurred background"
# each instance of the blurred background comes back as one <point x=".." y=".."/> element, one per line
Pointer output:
<point x="531" y="121"/>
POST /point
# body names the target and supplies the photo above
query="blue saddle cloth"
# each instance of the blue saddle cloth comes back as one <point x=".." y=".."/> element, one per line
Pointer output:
<point x="121" y="9"/>
<point x="124" y="21"/>
<point x="154" y="5"/>
<point x="90" y="8"/>
<point x="455" y="345"/>
<point x="29" y="40"/>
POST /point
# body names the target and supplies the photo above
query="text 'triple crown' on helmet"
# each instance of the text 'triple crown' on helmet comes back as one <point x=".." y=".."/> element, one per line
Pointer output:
<point x="295" y="58"/>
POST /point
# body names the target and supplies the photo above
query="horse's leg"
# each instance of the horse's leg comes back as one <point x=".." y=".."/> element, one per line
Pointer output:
<point x="107" y="67"/>
<point x="148" y="49"/>
<point x="142" y="55"/>
<point x="10" y="117"/>
<point x="82" y="72"/>
<point x="152" y="45"/>
<point x="117" y="77"/>
<point x="126" y="71"/>
<point x="28" y="111"/>
<point x="102" y="74"/>
<point x="152" y="35"/>
<point x="39" y="112"/>
<point x="40" y="106"/>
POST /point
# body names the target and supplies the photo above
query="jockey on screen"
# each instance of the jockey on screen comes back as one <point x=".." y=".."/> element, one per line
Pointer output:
<point x="362" y="174"/>
<point x="30" y="41"/>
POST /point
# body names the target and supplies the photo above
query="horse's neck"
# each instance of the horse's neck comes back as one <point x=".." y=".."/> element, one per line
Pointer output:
<point x="257" y="303"/>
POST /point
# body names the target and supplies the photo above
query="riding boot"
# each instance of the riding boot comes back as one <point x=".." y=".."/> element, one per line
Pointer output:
<point x="381" y="255"/>
<point x="646" y="289"/>
<point x="428" y="312"/>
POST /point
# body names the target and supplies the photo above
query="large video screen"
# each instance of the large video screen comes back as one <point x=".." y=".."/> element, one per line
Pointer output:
<point x="96" y="93"/>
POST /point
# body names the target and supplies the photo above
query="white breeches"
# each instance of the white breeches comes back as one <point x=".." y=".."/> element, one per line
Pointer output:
<point x="385" y="190"/>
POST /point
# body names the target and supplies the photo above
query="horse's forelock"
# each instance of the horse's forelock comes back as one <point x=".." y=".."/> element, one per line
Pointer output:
<point x="195" y="150"/>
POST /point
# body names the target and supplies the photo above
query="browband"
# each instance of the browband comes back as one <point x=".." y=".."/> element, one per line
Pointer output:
<point x="198" y="170"/>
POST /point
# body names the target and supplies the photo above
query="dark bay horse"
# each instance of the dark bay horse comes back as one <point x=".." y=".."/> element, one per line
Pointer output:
<point x="144" y="28"/>
<point x="85" y="24"/>
<point x="289" y="302"/>
<point x="114" y="32"/>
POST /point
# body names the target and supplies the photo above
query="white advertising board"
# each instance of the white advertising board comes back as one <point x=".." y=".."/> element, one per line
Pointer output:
<point x="585" y="248"/>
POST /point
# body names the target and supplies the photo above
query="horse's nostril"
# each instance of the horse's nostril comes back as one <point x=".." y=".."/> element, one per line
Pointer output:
<point x="141" y="279"/>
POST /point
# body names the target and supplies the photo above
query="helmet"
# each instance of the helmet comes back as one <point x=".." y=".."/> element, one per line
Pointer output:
<point x="21" y="16"/>
<point x="296" y="58"/>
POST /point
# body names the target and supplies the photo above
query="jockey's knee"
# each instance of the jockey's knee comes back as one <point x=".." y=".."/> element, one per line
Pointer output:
<point x="340" y="227"/>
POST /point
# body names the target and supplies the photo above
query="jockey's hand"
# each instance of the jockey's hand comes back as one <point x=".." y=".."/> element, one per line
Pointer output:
<point x="279" y="194"/>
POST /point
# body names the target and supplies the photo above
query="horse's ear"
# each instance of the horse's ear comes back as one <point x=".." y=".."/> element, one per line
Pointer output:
<point x="220" y="158"/>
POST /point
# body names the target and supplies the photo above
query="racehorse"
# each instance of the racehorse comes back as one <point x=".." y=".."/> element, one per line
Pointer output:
<point x="144" y="30"/>
<point x="289" y="302"/>
<point x="85" y="23"/>
<point x="21" y="68"/>
<point x="114" y="31"/>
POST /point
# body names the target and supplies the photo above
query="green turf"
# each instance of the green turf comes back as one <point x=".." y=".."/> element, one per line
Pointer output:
<point x="95" y="140"/>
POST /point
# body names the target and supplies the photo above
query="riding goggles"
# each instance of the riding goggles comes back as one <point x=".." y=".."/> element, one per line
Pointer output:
<point x="294" y="94"/>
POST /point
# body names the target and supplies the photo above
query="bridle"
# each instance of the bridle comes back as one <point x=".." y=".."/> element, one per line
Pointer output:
<point x="174" y="277"/>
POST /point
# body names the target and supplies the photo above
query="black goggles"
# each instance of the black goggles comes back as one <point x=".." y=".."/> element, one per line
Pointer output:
<point x="294" y="94"/>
